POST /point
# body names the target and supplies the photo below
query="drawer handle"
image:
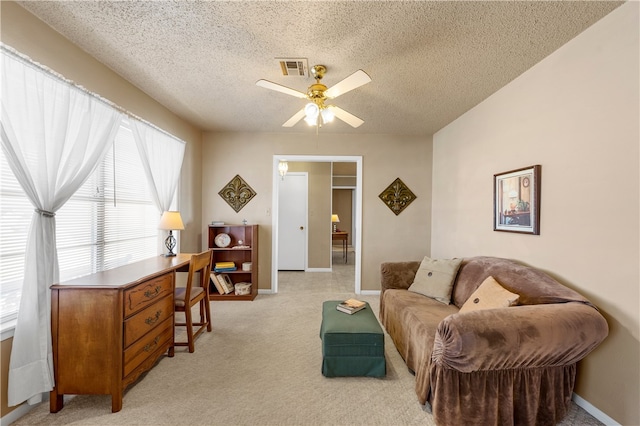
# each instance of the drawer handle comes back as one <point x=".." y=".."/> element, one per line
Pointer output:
<point x="150" y="294"/>
<point x="151" y="346"/>
<point x="154" y="319"/>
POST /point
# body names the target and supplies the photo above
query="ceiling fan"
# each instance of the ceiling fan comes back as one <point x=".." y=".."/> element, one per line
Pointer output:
<point x="316" y="112"/>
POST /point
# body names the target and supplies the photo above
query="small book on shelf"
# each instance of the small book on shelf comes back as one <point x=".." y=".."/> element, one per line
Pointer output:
<point x="224" y="267"/>
<point x="222" y="283"/>
<point x="351" y="306"/>
<point x="226" y="283"/>
<point x="214" y="279"/>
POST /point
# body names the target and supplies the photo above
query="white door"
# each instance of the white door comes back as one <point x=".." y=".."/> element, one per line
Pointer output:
<point x="292" y="222"/>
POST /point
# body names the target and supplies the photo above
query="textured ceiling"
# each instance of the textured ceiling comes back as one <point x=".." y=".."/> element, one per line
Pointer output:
<point x="430" y="61"/>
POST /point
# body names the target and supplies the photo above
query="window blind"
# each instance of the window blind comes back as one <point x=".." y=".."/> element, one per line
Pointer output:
<point x="109" y="222"/>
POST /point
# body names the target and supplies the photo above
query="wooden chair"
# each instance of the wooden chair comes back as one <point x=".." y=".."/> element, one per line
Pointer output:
<point x="196" y="292"/>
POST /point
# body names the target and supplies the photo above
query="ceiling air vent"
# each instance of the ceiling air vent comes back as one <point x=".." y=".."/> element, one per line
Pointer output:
<point x="293" y="67"/>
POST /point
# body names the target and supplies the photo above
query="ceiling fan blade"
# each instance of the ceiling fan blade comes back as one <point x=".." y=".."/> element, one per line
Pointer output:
<point x="280" y="88"/>
<point x="293" y="120"/>
<point x="354" y="81"/>
<point x="345" y="116"/>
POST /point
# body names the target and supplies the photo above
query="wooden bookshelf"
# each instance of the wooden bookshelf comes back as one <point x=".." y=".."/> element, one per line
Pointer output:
<point x="248" y="235"/>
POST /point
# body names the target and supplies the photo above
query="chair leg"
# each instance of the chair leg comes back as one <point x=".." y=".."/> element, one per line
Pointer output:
<point x="189" y="321"/>
<point x="202" y="313"/>
<point x="207" y="310"/>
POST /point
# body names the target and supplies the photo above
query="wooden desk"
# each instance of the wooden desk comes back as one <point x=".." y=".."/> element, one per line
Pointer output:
<point x="344" y="237"/>
<point x="110" y="327"/>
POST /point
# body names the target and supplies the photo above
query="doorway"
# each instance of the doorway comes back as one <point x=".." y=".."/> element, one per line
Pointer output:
<point x="357" y="216"/>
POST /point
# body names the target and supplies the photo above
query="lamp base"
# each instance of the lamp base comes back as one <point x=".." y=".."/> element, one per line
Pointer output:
<point x="170" y="243"/>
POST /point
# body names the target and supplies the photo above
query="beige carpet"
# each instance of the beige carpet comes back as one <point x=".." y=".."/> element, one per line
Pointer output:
<point x="261" y="366"/>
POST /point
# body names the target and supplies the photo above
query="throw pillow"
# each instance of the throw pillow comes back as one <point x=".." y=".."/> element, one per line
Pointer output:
<point x="490" y="295"/>
<point x="435" y="278"/>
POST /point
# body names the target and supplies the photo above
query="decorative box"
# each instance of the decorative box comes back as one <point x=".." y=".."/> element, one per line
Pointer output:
<point x="242" y="289"/>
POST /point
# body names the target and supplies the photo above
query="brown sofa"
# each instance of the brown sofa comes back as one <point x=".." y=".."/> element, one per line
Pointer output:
<point x="514" y="365"/>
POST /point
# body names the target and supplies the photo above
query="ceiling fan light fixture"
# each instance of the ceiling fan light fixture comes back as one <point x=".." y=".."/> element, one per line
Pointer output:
<point x="311" y="121"/>
<point x="327" y="115"/>
<point x="311" y="110"/>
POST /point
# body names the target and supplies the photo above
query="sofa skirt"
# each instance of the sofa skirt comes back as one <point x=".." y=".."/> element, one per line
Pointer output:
<point x="533" y="396"/>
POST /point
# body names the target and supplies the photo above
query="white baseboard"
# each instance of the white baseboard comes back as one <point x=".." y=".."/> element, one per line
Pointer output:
<point x="16" y="414"/>
<point x="370" y="292"/>
<point x="265" y="291"/>
<point x="24" y="408"/>
<point x="318" y="270"/>
<point x="589" y="408"/>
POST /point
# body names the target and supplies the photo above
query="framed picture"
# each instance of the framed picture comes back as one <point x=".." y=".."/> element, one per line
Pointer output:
<point x="516" y="201"/>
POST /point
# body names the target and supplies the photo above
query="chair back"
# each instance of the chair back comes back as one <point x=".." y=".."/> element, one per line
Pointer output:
<point x="200" y="264"/>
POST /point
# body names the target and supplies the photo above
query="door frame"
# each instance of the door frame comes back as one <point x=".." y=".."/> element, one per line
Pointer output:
<point x="356" y="242"/>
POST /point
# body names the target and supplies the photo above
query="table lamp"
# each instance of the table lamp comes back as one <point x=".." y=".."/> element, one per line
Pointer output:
<point x="168" y="222"/>
<point x="335" y="219"/>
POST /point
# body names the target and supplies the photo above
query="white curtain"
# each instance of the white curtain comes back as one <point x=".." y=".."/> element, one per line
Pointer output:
<point x="161" y="157"/>
<point x="54" y="134"/>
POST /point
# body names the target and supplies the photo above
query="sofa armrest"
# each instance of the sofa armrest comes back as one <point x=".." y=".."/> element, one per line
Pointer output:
<point x="398" y="275"/>
<point x="518" y="337"/>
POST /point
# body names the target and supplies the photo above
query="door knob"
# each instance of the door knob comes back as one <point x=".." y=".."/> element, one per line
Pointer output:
<point x="301" y="228"/>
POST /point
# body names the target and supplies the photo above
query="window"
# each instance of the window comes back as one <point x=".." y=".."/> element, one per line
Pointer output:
<point x="109" y="222"/>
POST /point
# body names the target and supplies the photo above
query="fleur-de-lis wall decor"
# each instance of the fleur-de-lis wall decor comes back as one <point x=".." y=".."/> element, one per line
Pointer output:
<point x="237" y="193"/>
<point x="397" y="196"/>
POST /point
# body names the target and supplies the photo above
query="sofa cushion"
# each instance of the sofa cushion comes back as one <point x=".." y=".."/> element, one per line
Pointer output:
<point x="411" y="320"/>
<point x="490" y="295"/>
<point x="435" y="278"/>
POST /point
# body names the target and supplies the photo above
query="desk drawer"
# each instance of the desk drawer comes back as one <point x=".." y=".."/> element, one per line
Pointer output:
<point x="146" y="320"/>
<point x="146" y="293"/>
<point x="139" y="352"/>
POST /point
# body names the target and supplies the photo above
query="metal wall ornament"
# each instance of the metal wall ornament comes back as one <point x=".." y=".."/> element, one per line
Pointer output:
<point x="397" y="196"/>
<point x="237" y="193"/>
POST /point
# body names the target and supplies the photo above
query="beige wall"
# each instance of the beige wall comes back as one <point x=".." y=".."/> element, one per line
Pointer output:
<point x="5" y="348"/>
<point x="385" y="236"/>
<point x="30" y="36"/>
<point x="576" y="114"/>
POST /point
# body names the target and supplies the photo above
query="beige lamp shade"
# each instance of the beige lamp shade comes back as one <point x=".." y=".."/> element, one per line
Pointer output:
<point x="171" y="221"/>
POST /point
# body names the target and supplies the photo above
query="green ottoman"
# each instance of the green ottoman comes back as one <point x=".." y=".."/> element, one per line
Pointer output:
<point x="352" y="345"/>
